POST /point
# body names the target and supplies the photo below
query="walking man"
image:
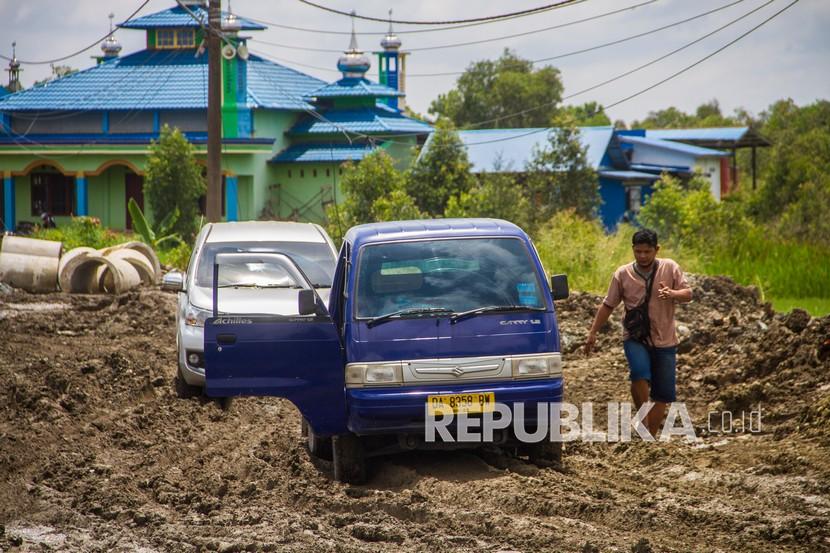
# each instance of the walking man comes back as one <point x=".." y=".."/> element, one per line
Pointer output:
<point x="649" y="336"/>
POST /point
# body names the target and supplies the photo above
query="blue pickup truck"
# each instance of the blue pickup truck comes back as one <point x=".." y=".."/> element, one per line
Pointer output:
<point x="448" y="311"/>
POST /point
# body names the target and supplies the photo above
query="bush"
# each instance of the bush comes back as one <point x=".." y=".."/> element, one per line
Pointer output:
<point x="177" y="256"/>
<point x="84" y="231"/>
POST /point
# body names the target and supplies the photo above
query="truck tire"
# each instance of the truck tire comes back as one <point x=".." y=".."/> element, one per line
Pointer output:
<point x="317" y="445"/>
<point x="545" y="453"/>
<point x="349" y="459"/>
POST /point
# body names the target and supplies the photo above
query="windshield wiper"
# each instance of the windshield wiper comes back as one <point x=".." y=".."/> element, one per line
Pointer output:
<point x="491" y="309"/>
<point x="412" y="311"/>
<point x="252" y="285"/>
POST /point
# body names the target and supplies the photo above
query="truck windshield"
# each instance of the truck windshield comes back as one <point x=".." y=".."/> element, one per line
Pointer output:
<point x="454" y="275"/>
<point x="315" y="259"/>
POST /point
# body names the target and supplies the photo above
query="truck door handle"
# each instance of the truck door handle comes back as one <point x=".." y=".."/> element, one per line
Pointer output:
<point x="226" y="339"/>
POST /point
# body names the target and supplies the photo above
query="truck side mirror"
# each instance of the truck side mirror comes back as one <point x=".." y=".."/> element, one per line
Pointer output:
<point x="173" y="281"/>
<point x="559" y="287"/>
<point x="308" y="305"/>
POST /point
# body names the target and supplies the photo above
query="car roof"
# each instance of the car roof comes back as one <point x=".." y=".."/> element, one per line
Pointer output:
<point x="264" y="231"/>
<point x="431" y="228"/>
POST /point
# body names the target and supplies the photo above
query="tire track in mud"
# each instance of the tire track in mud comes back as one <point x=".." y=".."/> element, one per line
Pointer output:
<point x="98" y="454"/>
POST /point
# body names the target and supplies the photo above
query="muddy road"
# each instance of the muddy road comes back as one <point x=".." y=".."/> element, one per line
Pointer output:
<point x="98" y="454"/>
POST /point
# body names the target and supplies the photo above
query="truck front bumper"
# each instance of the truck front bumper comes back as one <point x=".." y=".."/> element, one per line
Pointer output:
<point x="402" y="410"/>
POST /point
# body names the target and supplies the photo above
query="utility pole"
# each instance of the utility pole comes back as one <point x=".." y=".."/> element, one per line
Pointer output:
<point x="214" y="146"/>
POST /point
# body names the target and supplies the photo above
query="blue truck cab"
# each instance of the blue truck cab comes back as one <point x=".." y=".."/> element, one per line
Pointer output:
<point x="456" y="312"/>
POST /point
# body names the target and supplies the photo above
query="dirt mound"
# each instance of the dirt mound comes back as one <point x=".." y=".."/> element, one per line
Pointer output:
<point x="97" y="452"/>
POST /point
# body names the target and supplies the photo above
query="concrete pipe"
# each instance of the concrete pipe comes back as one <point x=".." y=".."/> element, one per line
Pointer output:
<point x="139" y="262"/>
<point x="116" y="276"/>
<point x="141" y="248"/>
<point x="32" y="273"/>
<point x="30" y="264"/>
<point x="79" y="275"/>
<point x="32" y="246"/>
<point x="69" y="256"/>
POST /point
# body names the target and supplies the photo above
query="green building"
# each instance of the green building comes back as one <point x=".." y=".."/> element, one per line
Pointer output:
<point x="78" y="145"/>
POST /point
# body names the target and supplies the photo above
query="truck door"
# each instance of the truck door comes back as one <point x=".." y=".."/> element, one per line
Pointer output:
<point x="294" y="356"/>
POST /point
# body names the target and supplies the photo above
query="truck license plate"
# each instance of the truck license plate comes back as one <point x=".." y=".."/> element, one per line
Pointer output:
<point x="477" y="402"/>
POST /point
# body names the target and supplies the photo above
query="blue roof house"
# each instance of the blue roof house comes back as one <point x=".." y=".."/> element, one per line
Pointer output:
<point x="626" y="162"/>
<point x="78" y="145"/>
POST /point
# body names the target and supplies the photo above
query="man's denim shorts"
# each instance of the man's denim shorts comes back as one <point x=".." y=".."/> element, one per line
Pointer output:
<point x="657" y="366"/>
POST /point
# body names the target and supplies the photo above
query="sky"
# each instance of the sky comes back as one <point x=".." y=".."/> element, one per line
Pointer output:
<point x="789" y="57"/>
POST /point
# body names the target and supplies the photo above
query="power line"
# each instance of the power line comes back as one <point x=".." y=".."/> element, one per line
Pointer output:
<point x="617" y="77"/>
<point x="626" y="73"/>
<point x="540" y="60"/>
<point x="459" y="44"/>
<point x="81" y="51"/>
<point x="449" y="28"/>
<point x="670" y="77"/>
<point x="521" y="13"/>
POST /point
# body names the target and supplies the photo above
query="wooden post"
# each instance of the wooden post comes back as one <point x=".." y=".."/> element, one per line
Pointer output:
<point x="214" y="147"/>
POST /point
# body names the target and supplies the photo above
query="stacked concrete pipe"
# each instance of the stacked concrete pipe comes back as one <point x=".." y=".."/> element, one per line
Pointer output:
<point x="37" y="266"/>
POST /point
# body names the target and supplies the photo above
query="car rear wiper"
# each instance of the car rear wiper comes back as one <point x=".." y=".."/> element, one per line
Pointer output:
<point x="412" y="311"/>
<point x="491" y="309"/>
<point x="252" y="285"/>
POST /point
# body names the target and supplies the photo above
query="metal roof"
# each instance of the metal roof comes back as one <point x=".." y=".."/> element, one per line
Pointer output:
<point x="629" y="175"/>
<point x="264" y="231"/>
<point x="87" y="139"/>
<point x="352" y="87"/>
<point x="715" y="137"/>
<point x="680" y="147"/>
<point x="160" y="79"/>
<point x="377" y="120"/>
<point x="430" y="228"/>
<point x="323" y="153"/>
<point x="179" y="17"/>
<point x="513" y="148"/>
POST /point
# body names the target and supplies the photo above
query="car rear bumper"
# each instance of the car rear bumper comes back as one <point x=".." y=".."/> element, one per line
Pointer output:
<point x="401" y="410"/>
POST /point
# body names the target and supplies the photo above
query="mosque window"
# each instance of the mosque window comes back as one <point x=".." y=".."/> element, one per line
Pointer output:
<point x="175" y="38"/>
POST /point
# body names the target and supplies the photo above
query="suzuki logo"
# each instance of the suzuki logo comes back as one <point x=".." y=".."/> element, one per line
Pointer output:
<point x="458" y="371"/>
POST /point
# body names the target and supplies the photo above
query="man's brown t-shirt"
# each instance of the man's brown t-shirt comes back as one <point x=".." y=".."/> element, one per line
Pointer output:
<point x="630" y="288"/>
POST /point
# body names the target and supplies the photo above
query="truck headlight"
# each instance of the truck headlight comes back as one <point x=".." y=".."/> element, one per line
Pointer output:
<point x="373" y="374"/>
<point x="537" y="365"/>
<point x="196" y="316"/>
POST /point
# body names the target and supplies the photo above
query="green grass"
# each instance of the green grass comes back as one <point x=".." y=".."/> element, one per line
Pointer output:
<point x="817" y="307"/>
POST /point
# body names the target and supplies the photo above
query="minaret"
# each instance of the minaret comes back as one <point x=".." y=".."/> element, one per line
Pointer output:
<point x="354" y="63"/>
<point x="14" y="71"/>
<point x="110" y="47"/>
<point x="392" y="65"/>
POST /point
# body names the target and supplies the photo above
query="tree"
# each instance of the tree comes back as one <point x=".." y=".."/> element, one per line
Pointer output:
<point x="589" y="114"/>
<point x="496" y="195"/>
<point x="58" y="72"/>
<point x="173" y="181"/>
<point x="441" y="171"/>
<point x="559" y="177"/>
<point x="800" y="153"/>
<point x="707" y="114"/>
<point x="374" y="191"/>
<point x="493" y="90"/>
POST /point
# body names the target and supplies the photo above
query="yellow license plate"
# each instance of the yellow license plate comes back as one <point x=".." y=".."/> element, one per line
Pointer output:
<point x="477" y="402"/>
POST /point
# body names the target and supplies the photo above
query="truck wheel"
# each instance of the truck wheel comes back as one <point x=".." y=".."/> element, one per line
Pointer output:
<point x="183" y="389"/>
<point x="545" y="453"/>
<point x="349" y="459"/>
<point x="317" y="445"/>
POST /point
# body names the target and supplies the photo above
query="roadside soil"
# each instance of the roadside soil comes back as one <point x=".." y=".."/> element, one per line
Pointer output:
<point x="97" y="453"/>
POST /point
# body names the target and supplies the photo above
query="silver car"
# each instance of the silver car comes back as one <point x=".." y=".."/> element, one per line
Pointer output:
<point x="245" y="287"/>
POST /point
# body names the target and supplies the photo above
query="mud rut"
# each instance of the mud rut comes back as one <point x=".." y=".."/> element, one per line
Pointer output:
<point x="98" y="454"/>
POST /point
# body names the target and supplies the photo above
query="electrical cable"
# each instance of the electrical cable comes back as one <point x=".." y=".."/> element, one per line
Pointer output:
<point x="81" y="51"/>
<point x="520" y="13"/>
<point x="526" y="33"/>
